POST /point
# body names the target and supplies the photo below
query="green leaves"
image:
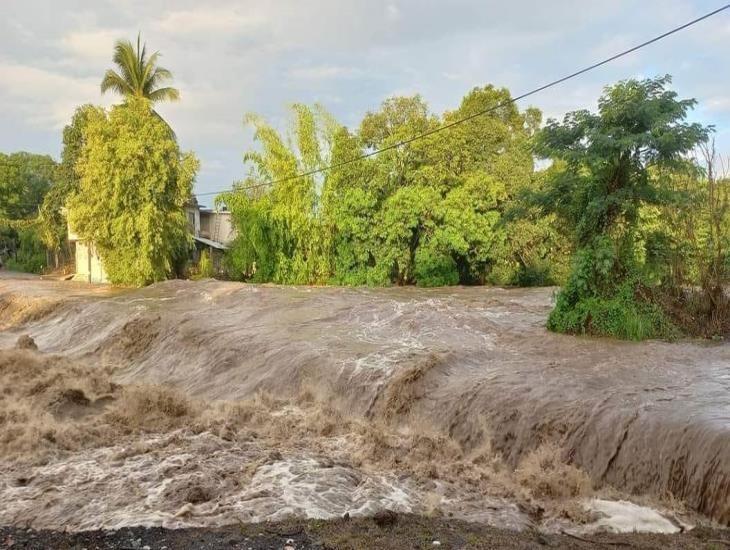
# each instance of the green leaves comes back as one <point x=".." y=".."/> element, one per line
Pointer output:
<point x="282" y="236"/>
<point x="134" y="184"/>
<point x="24" y="180"/>
<point x="605" y="177"/>
<point x="427" y="212"/>
<point x="138" y="76"/>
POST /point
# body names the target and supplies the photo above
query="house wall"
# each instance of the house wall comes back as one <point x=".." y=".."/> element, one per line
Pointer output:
<point x="217" y="226"/>
<point x="82" y="262"/>
<point x="205" y="224"/>
<point x="227" y="232"/>
<point x="89" y="267"/>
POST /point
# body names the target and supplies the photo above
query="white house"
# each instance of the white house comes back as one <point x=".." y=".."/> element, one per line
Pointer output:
<point x="211" y="229"/>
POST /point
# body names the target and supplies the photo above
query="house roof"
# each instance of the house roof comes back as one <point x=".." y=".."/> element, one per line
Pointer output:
<point x="204" y="210"/>
<point x="208" y="242"/>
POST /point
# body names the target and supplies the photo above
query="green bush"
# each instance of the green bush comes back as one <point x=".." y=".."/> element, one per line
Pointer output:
<point x="435" y="269"/>
<point x="625" y="315"/>
<point x="205" y="266"/>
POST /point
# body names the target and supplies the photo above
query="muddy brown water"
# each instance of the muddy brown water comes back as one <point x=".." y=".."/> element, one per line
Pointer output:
<point x="649" y="418"/>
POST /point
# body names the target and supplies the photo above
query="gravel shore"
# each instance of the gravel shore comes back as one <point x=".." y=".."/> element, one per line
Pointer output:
<point x="386" y="531"/>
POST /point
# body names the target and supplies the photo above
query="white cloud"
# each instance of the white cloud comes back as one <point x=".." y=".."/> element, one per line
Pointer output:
<point x="207" y="20"/>
<point x="23" y="32"/>
<point x="323" y="72"/>
<point x="234" y="56"/>
<point x="392" y="13"/>
<point x="718" y="104"/>
<point x="44" y="97"/>
<point x="96" y="45"/>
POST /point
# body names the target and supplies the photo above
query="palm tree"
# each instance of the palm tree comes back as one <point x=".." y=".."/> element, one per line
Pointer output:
<point x="138" y="75"/>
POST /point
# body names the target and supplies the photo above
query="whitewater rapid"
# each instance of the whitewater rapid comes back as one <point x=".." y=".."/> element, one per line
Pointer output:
<point x="474" y="365"/>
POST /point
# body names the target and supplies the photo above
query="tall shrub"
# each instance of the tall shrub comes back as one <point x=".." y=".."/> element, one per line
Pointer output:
<point x="607" y="159"/>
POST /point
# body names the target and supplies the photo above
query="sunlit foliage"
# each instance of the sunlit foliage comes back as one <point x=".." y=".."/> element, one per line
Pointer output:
<point x="134" y="184"/>
<point x="615" y="164"/>
<point x="428" y="212"/>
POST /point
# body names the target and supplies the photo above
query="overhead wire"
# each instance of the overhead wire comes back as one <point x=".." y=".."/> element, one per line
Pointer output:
<point x="483" y="112"/>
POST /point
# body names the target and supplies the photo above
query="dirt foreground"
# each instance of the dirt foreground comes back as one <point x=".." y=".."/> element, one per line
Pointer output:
<point x="384" y="531"/>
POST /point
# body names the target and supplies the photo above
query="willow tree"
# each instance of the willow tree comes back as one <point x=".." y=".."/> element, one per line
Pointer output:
<point x="607" y="160"/>
<point x="134" y="184"/>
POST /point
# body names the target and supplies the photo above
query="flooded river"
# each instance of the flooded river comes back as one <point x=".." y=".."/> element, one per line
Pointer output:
<point x="452" y="401"/>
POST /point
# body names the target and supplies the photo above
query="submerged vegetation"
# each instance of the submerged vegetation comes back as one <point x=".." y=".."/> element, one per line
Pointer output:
<point x="629" y="213"/>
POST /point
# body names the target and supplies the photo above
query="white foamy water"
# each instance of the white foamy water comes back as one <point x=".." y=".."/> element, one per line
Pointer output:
<point x="152" y="482"/>
<point x="626" y="517"/>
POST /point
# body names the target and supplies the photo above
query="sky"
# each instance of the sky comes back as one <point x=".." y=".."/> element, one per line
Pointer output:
<point x="234" y="57"/>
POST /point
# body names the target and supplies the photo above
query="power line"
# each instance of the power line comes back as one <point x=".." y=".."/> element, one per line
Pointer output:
<point x="477" y="114"/>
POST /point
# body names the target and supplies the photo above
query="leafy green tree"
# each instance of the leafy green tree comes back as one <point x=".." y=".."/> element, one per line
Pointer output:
<point x="134" y="184"/>
<point x="24" y="180"/>
<point x="480" y="166"/>
<point x="280" y="234"/>
<point x="426" y="212"/>
<point x="350" y="203"/>
<point x="445" y="195"/>
<point x="138" y="76"/>
<point x="608" y="159"/>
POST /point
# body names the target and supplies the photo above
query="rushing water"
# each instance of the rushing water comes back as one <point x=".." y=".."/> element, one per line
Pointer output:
<point x="476" y="364"/>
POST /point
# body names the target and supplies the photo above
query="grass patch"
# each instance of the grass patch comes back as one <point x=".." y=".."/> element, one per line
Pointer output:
<point x="626" y="315"/>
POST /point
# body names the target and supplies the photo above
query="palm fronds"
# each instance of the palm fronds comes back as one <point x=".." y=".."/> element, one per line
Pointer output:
<point x="138" y="75"/>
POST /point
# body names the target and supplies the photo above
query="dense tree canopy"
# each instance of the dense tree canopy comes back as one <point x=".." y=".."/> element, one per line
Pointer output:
<point x="52" y="221"/>
<point x="133" y="187"/>
<point x="429" y="212"/>
<point x="25" y="179"/>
